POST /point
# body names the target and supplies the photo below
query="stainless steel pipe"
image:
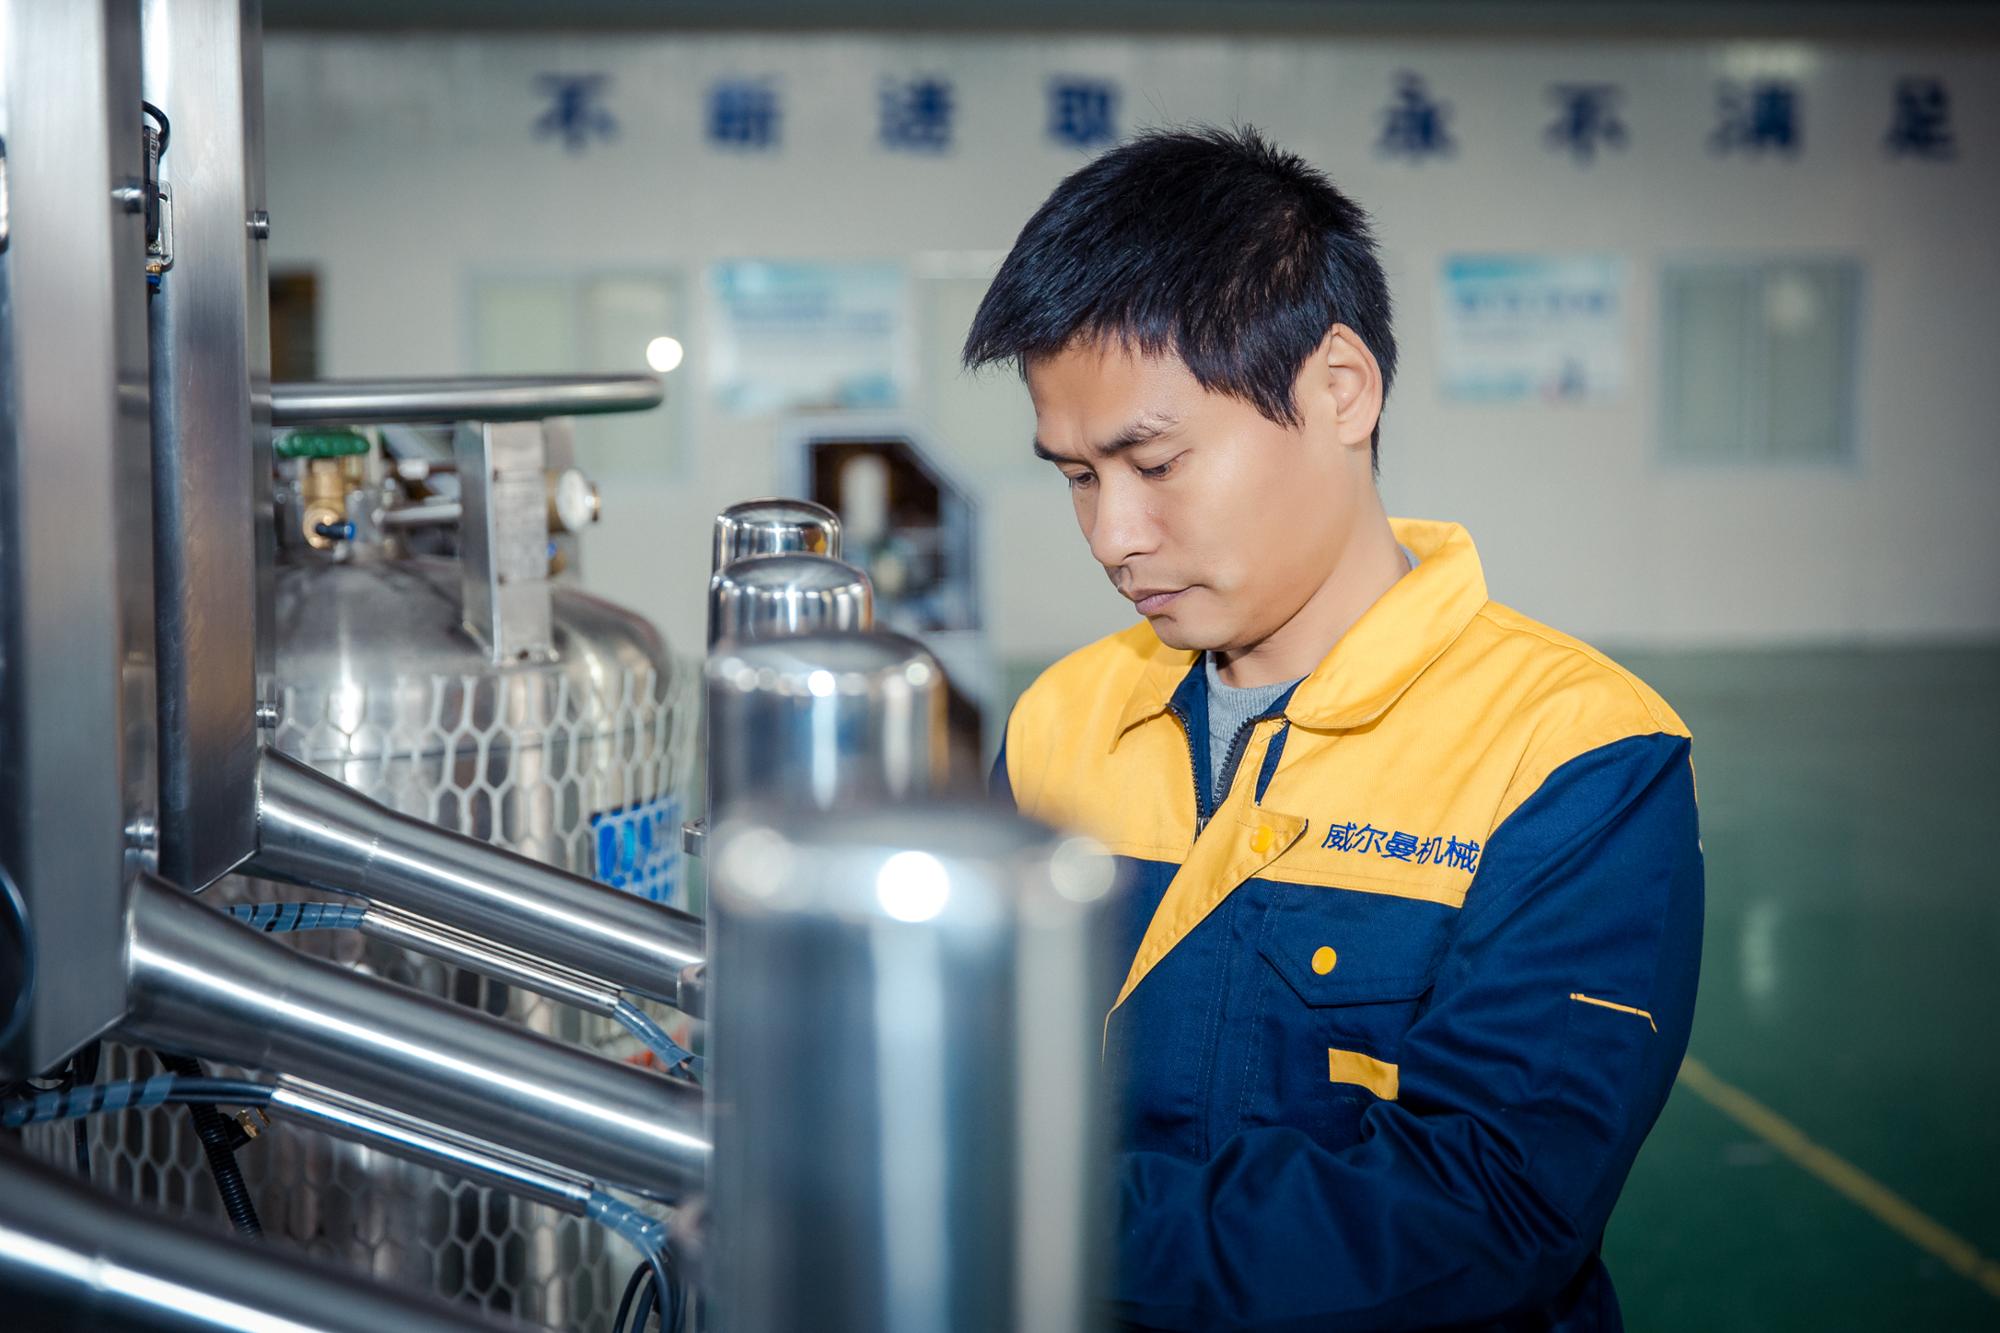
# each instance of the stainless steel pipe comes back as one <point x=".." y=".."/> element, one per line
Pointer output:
<point x="818" y="720"/>
<point x="73" y="1259"/>
<point x="768" y="596"/>
<point x="202" y="984"/>
<point x="315" y="831"/>
<point x="903" y="1071"/>
<point x="416" y="1140"/>
<point x="460" y="398"/>
<point x="488" y="959"/>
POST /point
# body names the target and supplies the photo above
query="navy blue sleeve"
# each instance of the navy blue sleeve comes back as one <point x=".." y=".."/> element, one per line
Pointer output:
<point x="998" y="783"/>
<point x="1524" y="1093"/>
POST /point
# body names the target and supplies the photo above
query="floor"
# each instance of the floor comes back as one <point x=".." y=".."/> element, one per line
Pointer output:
<point x="1831" y="1157"/>
<point x="1831" y="1160"/>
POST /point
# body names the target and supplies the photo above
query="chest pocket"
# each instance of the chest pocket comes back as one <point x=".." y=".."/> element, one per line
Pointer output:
<point x="1347" y="973"/>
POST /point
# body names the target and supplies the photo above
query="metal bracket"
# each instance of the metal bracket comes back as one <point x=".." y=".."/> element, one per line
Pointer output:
<point x="160" y="253"/>
<point x="503" y="535"/>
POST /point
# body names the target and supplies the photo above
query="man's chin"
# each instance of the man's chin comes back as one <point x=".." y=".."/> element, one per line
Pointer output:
<point x="1176" y="633"/>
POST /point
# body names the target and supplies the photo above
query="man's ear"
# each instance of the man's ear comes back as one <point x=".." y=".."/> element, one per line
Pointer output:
<point x="1350" y="383"/>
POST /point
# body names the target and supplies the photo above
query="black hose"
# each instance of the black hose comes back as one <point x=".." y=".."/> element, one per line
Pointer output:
<point x="86" y="1072"/>
<point x="213" y="1130"/>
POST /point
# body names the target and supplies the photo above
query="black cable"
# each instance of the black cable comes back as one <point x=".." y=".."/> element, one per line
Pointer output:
<point x="664" y="1291"/>
<point x="161" y="116"/>
<point x="86" y="1072"/>
<point x="639" y="1274"/>
<point x="212" y="1129"/>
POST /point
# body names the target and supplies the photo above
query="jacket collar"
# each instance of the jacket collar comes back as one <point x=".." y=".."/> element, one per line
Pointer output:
<point x="1384" y="652"/>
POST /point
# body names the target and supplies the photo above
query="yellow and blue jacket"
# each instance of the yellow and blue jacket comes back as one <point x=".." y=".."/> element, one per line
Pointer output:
<point x="1400" y="1009"/>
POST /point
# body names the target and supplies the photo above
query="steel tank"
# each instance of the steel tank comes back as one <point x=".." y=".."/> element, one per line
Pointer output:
<point x="583" y="759"/>
<point x="904" y="1102"/>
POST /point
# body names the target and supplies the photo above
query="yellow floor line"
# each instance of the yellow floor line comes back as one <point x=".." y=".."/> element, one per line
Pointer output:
<point x="1889" y="1208"/>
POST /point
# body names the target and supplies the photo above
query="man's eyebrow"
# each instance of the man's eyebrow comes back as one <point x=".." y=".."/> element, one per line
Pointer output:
<point x="1139" y="432"/>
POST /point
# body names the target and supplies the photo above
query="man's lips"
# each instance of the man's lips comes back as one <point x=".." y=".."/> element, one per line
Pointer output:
<point x="1152" y="601"/>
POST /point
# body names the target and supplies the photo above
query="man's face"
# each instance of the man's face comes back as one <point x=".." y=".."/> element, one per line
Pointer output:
<point x="1217" y="522"/>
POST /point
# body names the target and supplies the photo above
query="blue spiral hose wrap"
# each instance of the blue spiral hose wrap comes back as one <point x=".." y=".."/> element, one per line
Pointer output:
<point x="277" y="918"/>
<point x="98" y="1098"/>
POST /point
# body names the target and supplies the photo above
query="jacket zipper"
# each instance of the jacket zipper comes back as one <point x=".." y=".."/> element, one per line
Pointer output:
<point x="1201" y="810"/>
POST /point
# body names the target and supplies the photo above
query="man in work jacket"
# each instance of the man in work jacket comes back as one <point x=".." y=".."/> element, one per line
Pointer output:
<point x="1413" y="903"/>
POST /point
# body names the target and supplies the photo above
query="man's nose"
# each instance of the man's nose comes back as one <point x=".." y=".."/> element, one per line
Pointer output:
<point x="1122" y="528"/>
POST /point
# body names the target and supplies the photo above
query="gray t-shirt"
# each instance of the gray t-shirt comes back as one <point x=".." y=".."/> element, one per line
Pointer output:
<point x="1229" y="710"/>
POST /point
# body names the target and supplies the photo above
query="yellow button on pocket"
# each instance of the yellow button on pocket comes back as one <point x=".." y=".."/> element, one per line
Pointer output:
<point x="1324" y="959"/>
<point x="1260" y="841"/>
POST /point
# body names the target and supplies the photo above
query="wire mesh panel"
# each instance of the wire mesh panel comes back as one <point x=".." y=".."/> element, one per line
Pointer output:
<point x="540" y="759"/>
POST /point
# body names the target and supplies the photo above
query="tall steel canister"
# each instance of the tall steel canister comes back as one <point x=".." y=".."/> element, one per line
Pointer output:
<point x="903" y="1075"/>
<point x="770" y="596"/>
<point x="774" y="526"/>
<point x="821" y="719"/>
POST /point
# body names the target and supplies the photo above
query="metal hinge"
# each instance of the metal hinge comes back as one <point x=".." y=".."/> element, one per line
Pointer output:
<point x="3" y="196"/>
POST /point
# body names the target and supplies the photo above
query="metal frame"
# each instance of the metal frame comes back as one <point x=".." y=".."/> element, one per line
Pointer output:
<point x="211" y="432"/>
<point x="76" y="587"/>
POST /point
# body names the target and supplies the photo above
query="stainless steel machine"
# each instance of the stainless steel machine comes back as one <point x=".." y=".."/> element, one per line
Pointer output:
<point x="564" y="732"/>
<point x="307" y="660"/>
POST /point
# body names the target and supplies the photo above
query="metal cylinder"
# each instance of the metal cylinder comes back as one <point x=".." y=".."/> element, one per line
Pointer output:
<point x="314" y="831"/>
<point x="73" y="1259"/>
<point x="460" y="398"/>
<point x="767" y="596"/>
<point x="581" y="762"/>
<point x="202" y="985"/>
<point x="412" y="1138"/>
<point x="819" y="720"/>
<point x="774" y="526"/>
<point x="903" y="1073"/>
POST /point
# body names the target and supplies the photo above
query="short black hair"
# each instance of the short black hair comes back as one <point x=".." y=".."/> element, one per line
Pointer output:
<point x="1209" y="244"/>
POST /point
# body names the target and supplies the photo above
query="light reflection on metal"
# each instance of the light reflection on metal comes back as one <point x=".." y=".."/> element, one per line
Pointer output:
<point x="903" y="1067"/>
<point x="315" y="831"/>
<point x="774" y="526"/>
<point x="767" y="596"/>
<point x="72" y="1259"/>
<point x="487" y="959"/>
<point x="79" y="763"/>
<point x="818" y="720"/>
<point x="413" y="1139"/>
<point x="210" y="443"/>
<point x="460" y="398"/>
<point x="203" y="985"/>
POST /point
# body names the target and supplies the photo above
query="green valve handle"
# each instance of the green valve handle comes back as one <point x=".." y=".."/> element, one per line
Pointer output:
<point x="321" y="444"/>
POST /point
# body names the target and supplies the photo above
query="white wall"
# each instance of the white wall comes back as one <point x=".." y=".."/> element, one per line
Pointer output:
<point x="400" y="165"/>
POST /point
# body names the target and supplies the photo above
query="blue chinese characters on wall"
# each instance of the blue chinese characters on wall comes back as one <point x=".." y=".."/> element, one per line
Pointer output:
<point x="1415" y="125"/>
<point x="1761" y="116"/>
<point x="1083" y="113"/>
<point x="743" y="114"/>
<point x="1921" y="123"/>
<point x="1587" y="120"/>
<point x="915" y="115"/>
<point x="1754" y="117"/>
<point x="576" y="113"/>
